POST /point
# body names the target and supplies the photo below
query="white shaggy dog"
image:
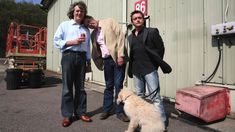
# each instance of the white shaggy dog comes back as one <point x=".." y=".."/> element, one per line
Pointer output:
<point x="140" y="112"/>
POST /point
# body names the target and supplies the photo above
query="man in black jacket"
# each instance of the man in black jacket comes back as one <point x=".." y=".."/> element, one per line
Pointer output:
<point x="146" y="55"/>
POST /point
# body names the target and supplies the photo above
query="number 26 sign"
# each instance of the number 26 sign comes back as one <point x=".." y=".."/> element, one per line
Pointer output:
<point x="142" y="6"/>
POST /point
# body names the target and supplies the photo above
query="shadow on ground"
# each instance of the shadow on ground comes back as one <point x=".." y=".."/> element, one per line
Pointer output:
<point x="50" y="79"/>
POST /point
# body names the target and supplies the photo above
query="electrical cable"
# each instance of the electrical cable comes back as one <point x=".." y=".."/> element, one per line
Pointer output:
<point x="217" y="65"/>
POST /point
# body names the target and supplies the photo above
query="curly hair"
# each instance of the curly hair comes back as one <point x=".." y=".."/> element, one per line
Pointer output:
<point x="80" y="4"/>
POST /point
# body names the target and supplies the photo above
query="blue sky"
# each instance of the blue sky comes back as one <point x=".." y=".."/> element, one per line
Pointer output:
<point x="32" y="1"/>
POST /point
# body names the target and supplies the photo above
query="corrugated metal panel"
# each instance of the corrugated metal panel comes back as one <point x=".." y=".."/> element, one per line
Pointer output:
<point x="50" y="33"/>
<point x="56" y="52"/>
<point x="229" y="64"/>
<point x="102" y="9"/>
<point x="212" y="16"/>
<point x="56" y="15"/>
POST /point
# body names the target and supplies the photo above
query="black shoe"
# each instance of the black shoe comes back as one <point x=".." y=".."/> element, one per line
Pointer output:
<point x="123" y="117"/>
<point x="104" y="116"/>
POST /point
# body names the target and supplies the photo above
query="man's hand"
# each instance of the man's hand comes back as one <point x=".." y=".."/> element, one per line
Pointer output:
<point x="88" y="67"/>
<point x="120" y="61"/>
<point x="79" y="40"/>
<point x="76" y="41"/>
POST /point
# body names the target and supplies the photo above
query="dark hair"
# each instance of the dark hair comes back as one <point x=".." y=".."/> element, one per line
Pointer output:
<point x="88" y="17"/>
<point x="80" y="4"/>
<point x="136" y="12"/>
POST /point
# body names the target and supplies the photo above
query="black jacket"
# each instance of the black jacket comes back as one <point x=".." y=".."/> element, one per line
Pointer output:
<point x="155" y="49"/>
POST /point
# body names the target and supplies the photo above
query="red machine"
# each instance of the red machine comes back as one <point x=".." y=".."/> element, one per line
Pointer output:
<point x="25" y="50"/>
<point x="26" y="45"/>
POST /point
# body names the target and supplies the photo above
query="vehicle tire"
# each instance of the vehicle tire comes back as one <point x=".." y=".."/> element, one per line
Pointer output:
<point x="13" y="78"/>
<point x="35" y="78"/>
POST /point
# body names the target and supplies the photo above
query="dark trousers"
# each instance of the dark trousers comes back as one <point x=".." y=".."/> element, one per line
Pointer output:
<point x="73" y="72"/>
<point x="114" y="77"/>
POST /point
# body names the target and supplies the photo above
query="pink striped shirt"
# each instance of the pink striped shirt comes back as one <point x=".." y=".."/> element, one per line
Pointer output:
<point x="100" y="41"/>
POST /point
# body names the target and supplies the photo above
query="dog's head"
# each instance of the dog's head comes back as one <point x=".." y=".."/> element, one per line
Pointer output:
<point x="123" y="95"/>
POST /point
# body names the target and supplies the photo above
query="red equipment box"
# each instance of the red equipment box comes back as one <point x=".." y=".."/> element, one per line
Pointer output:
<point x="205" y="102"/>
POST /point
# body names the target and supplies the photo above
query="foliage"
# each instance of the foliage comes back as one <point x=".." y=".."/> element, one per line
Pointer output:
<point x="22" y="13"/>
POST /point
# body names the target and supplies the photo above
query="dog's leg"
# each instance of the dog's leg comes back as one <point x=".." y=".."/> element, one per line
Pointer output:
<point x="132" y="126"/>
<point x="119" y="99"/>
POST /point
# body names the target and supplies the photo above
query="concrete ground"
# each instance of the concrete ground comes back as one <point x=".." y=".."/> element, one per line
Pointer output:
<point x="38" y="110"/>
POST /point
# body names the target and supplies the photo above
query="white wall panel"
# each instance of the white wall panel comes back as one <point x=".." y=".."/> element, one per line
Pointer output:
<point x="55" y="51"/>
<point x="56" y="14"/>
<point x="50" y="33"/>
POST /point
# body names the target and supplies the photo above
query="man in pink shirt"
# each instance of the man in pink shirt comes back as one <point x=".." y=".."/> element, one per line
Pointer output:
<point x="109" y="54"/>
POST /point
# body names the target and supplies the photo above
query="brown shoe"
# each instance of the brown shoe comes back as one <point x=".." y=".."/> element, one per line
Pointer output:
<point x="123" y="117"/>
<point x="104" y="116"/>
<point x="66" y="122"/>
<point x="85" y="118"/>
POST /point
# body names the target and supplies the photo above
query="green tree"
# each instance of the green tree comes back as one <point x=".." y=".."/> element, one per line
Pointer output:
<point x="22" y="13"/>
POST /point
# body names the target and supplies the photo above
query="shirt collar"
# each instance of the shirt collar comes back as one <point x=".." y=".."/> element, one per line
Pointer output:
<point x="73" y="22"/>
<point x="133" y="31"/>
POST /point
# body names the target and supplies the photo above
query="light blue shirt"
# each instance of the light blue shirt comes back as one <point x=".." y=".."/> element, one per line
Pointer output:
<point x="69" y="30"/>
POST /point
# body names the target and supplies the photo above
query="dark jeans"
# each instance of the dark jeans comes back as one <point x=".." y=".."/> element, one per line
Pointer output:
<point x="114" y="77"/>
<point x="73" y="68"/>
